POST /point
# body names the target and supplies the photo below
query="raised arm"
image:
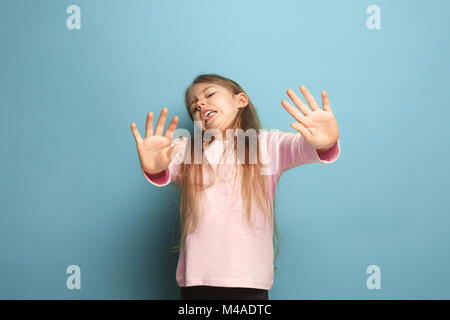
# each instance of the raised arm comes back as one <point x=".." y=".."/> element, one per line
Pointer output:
<point x="290" y="149"/>
<point x="317" y="139"/>
<point x="318" y="127"/>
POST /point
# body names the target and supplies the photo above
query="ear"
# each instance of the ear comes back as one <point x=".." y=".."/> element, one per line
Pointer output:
<point x="243" y="100"/>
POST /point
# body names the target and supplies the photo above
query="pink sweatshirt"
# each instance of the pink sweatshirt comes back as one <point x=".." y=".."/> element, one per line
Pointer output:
<point x="224" y="251"/>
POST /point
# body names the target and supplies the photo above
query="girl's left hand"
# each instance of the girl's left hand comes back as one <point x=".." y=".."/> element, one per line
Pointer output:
<point x="318" y="127"/>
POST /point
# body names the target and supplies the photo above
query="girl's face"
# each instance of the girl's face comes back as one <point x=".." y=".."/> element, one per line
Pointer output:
<point x="222" y="104"/>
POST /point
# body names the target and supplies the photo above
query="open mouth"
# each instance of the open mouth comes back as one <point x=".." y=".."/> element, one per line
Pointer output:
<point x="209" y="115"/>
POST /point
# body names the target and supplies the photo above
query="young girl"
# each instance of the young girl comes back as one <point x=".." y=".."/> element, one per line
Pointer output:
<point x="226" y="210"/>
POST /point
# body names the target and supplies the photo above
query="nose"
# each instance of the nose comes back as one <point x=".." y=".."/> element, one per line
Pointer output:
<point x="198" y="106"/>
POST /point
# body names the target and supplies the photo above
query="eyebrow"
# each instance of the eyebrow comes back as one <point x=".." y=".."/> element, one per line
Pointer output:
<point x="190" y="106"/>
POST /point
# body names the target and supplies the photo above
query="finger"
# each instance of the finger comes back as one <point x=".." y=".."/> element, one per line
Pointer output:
<point x="309" y="98"/>
<point x="161" y="122"/>
<point x="171" y="128"/>
<point x="300" y="128"/>
<point x="325" y="101"/>
<point x="149" y="125"/>
<point x="298" y="102"/>
<point x="294" y="112"/>
<point x="136" y="134"/>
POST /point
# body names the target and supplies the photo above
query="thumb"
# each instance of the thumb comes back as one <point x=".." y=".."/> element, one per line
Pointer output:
<point x="301" y="129"/>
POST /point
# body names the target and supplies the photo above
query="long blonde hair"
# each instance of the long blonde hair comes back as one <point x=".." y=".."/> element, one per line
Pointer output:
<point x="254" y="184"/>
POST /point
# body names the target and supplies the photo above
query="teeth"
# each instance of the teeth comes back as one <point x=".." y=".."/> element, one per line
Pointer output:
<point x="208" y="113"/>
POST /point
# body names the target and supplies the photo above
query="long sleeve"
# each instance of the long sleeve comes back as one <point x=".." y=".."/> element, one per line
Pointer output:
<point x="171" y="173"/>
<point x="290" y="150"/>
<point x="159" y="180"/>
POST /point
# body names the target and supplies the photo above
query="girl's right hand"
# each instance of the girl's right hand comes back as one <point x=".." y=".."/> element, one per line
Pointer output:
<point x="154" y="150"/>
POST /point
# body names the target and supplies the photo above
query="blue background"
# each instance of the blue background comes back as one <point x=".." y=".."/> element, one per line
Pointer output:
<point x="71" y="187"/>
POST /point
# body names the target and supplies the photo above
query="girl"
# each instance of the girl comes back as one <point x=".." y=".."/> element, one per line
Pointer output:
<point x="226" y="210"/>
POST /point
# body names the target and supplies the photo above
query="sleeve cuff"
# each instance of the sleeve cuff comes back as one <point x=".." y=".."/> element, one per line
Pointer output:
<point x="330" y="155"/>
<point x="160" y="179"/>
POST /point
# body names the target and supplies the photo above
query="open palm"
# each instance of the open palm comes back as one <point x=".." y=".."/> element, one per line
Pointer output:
<point x="318" y="127"/>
